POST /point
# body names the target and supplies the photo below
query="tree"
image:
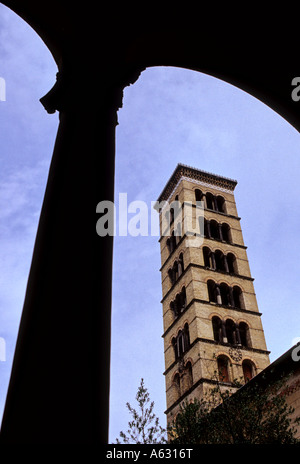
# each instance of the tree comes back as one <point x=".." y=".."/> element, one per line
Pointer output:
<point x="253" y="415"/>
<point x="144" y="427"/>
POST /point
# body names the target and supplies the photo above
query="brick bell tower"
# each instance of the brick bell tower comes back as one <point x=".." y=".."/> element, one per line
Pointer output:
<point x="212" y="325"/>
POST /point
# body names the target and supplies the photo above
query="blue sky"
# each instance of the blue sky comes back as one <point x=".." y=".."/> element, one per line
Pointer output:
<point x="169" y="116"/>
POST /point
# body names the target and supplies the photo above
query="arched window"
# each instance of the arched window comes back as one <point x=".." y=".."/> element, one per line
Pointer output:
<point x="198" y="195"/>
<point x="244" y="334"/>
<point x="231" y="263"/>
<point x="176" y="386"/>
<point x="217" y="329"/>
<point x="175" y="271"/>
<point x="221" y="204"/>
<point x="223" y="368"/>
<point x="211" y="287"/>
<point x="175" y="347"/>
<point x="171" y="243"/>
<point x="237" y="297"/>
<point x="189" y="375"/>
<point x="210" y="203"/>
<point x="248" y="370"/>
<point x="181" y="343"/>
<point x="224" y="289"/>
<point x="179" y="304"/>
<point x="206" y="257"/>
<point x="230" y="332"/>
<point x="206" y="228"/>
<point x="173" y="308"/>
<point x="219" y="260"/>
<point x="226" y="234"/>
<point x="178" y="232"/>
<point x="183" y="298"/>
<point x="214" y="230"/>
<point x="186" y="337"/>
<point x="171" y="276"/>
<point x="180" y="265"/>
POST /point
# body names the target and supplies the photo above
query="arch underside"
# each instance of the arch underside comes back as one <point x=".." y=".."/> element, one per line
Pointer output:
<point x="116" y="39"/>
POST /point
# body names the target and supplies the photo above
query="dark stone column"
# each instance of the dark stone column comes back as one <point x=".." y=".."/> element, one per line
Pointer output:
<point x="218" y="294"/>
<point x="225" y="261"/>
<point x="224" y="334"/>
<point x="213" y="260"/>
<point x="59" y="386"/>
<point x="238" y="335"/>
<point x="230" y="296"/>
<point x="220" y="232"/>
<point x="208" y="229"/>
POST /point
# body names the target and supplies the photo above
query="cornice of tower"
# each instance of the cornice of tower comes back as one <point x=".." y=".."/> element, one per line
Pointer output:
<point x="183" y="171"/>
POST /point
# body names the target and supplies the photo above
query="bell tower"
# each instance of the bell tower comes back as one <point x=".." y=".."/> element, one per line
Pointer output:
<point x="212" y="325"/>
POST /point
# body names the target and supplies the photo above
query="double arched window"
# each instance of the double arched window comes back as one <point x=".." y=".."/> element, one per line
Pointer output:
<point x="219" y="261"/>
<point x="213" y="202"/>
<point x="176" y="270"/>
<point x="225" y="295"/>
<point x="224" y="373"/>
<point x="217" y="231"/>
<point x="179" y="303"/>
<point x="181" y="342"/>
<point x="183" y="380"/>
<point x="228" y="331"/>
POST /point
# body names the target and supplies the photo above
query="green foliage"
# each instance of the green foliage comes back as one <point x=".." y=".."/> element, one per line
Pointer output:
<point x="144" y="427"/>
<point x="249" y="416"/>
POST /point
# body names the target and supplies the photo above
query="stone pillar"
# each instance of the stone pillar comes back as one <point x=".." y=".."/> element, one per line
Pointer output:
<point x="213" y="260"/>
<point x="59" y="386"/>
<point x="215" y="204"/>
<point x="220" y="232"/>
<point x="238" y="335"/>
<point x="226" y="267"/>
<point x="218" y="295"/>
<point x="208" y="229"/>
<point x="224" y="334"/>
<point x="230" y="296"/>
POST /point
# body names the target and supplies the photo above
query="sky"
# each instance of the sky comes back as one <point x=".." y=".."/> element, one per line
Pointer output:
<point x="169" y="116"/>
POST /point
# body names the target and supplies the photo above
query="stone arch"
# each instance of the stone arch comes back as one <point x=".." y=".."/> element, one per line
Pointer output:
<point x="224" y="368"/>
<point x="249" y="369"/>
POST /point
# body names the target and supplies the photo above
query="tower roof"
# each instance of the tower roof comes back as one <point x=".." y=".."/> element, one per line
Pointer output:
<point x="182" y="170"/>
